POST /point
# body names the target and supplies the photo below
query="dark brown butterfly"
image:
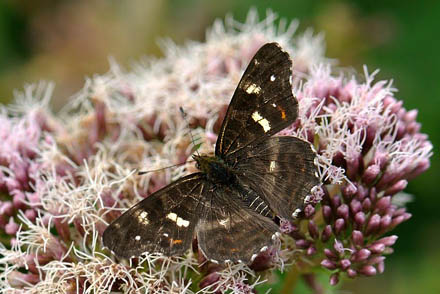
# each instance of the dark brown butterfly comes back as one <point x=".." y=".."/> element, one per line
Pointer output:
<point x="231" y="203"/>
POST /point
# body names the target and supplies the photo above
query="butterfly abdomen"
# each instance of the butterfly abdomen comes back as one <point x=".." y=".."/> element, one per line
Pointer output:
<point x="253" y="201"/>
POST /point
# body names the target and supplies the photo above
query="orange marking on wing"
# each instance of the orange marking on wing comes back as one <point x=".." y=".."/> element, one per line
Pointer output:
<point x="178" y="241"/>
<point x="283" y="112"/>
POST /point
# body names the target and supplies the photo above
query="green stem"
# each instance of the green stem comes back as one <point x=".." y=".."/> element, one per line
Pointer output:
<point x="310" y="280"/>
<point x="290" y="281"/>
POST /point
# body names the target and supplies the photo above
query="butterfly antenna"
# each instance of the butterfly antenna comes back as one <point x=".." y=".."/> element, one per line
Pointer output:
<point x="162" y="168"/>
<point x="184" y="115"/>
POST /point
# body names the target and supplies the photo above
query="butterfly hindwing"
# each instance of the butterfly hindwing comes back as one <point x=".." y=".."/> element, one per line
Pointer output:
<point x="281" y="170"/>
<point x="262" y="104"/>
<point x="163" y="222"/>
<point x="228" y="230"/>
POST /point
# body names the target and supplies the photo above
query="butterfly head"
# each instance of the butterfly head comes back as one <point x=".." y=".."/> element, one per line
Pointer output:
<point x="203" y="162"/>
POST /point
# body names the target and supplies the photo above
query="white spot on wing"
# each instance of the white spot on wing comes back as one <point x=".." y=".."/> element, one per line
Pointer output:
<point x="272" y="166"/>
<point x="172" y="216"/>
<point x="262" y="121"/>
<point x="224" y="222"/>
<point x="137" y="238"/>
<point x="272" y="78"/>
<point x="290" y="79"/>
<point x="179" y="221"/>
<point x="253" y="89"/>
<point x="142" y="217"/>
<point x="165" y="234"/>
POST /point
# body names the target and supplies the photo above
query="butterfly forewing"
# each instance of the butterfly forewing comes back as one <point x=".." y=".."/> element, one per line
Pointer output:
<point x="163" y="222"/>
<point x="281" y="170"/>
<point x="252" y="177"/>
<point x="228" y="230"/>
<point x="262" y="104"/>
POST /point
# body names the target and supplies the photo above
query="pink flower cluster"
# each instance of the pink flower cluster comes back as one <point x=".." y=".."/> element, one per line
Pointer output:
<point x="63" y="178"/>
<point x="369" y="146"/>
<point x="19" y="144"/>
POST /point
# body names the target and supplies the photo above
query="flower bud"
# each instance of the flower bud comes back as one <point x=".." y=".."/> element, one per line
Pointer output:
<point x="330" y="254"/>
<point x="311" y="250"/>
<point x="342" y="211"/>
<point x="309" y="211"/>
<point x="302" y="244"/>
<point x="349" y="190"/>
<point x="351" y="273"/>
<point x="357" y="237"/>
<point x="383" y="203"/>
<point x="339" y="225"/>
<point x="12" y="227"/>
<point x="30" y="214"/>
<point x="328" y="264"/>
<point x="371" y="174"/>
<point x="368" y="270"/>
<point x="335" y="201"/>
<point x="388" y="241"/>
<point x="362" y="192"/>
<point x="397" y="187"/>
<point x="373" y="224"/>
<point x="345" y="264"/>
<point x="313" y="230"/>
<point x="377" y="247"/>
<point x="334" y="279"/>
<point x="361" y="255"/>
<point x="360" y="219"/>
<point x="338" y="246"/>
<point x="355" y="206"/>
<point x="327" y="213"/>
<point x="326" y="233"/>
<point x="366" y="205"/>
<point x="385" y="222"/>
<point x="6" y="208"/>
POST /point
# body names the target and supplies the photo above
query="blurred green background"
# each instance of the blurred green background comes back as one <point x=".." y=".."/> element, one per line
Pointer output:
<point x="65" y="41"/>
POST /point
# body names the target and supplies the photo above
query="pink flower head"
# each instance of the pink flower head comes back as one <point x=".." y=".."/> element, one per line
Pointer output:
<point x="67" y="176"/>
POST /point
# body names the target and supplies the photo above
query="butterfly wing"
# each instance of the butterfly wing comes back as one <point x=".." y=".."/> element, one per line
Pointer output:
<point x="262" y="104"/>
<point x="281" y="170"/>
<point x="228" y="230"/>
<point x="163" y="222"/>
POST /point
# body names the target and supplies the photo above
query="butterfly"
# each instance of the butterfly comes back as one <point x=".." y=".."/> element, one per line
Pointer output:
<point x="230" y="205"/>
